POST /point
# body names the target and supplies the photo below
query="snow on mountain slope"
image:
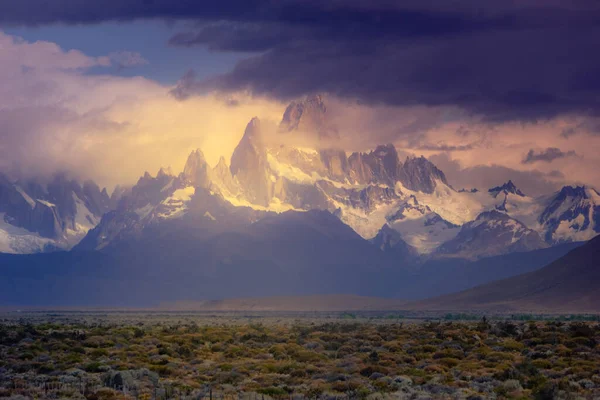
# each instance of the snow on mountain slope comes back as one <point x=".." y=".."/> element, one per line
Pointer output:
<point x="46" y="216"/>
<point x="419" y="226"/>
<point x="17" y="240"/>
<point x="176" y="204"/>
<point x="572" y="214"/>
<point x="453" y="206"/>
<point x="491" y="233"/>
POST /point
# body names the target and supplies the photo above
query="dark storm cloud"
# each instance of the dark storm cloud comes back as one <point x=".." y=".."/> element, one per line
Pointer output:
<point x="548" y="155"/>
<point x="502" y="61"/>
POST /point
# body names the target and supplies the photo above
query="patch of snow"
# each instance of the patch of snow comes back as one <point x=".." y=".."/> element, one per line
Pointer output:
<point x="365" y="224"/>
<point x="276" y="204"/>
<point x="455" y="207"/>
<point x="291" y="172"/>
<point x="567" y="230"/>
<point x="46" y="203"/>
<point x="84" y="218"/>
<point x="17" y="240"/>
<point x="418" y="231"/>
<point x="177" y="203"/>
<point x="83" y="222"/>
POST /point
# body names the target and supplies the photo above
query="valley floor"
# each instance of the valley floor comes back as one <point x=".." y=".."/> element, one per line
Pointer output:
<point x="123" y="355"/>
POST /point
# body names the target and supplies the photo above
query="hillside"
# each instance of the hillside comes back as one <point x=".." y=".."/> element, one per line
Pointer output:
<point x="569" y="284"/>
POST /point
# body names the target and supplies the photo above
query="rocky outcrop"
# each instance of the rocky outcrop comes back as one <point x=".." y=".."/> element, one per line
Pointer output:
<point x="378" y="166"/>
<point x="508" y="188"/>
<point x="308" y="116"/>
<point x="250" y="167"/>
<point x="335" y="162"/>
<point x="421" y="175"/>
<point x="197" y="171"/>
<point x="221" y="176"/>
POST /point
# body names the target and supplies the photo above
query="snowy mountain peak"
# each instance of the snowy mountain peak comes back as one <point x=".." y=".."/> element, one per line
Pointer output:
<point x="508" y="187"/>
<point x="491" y="233"/>
<point x="572" y="214"/>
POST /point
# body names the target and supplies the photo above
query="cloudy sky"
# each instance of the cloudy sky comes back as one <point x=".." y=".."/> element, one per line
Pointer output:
<point x="489" y="91"/>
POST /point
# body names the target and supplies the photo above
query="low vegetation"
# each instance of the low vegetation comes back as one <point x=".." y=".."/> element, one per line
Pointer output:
<point x="93" y="358"/>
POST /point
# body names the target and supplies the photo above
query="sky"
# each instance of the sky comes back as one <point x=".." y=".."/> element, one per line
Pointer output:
<point x="489" y="91"/>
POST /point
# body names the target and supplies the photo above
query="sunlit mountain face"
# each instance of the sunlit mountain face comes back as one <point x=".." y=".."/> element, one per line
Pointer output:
<point x="297" y="142"/>
<point x="396" y="203"/>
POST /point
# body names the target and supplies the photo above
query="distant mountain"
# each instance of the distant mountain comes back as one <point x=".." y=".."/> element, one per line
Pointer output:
<point x="38" y="216"/>
<point x="299" y="253"/>
<point x="569" y="284"/>
<point x="291" y="254"/>
<point x="571" y="214"/>
<point x="491" y="233"/>
<point x="438" y="276"/>
<point x="508" y="188"/>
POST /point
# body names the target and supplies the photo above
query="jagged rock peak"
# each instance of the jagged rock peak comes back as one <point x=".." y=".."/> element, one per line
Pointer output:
<point x="196" y="169"/>
<point x="573" y="191"/>
<point x="508" y="187"/>
<point x="308" y="115"/>
<point x="253" y="127"/>
<point x="196" y="156"/>
<point x="378" y="166"/>
<point x="420" y="174"/>
<point x="300" y="113"/>
<point x="250" y="150"/>
<point x="249" y="165"/>
<point x="164" y="172"/>
<point x="222" y="163"/>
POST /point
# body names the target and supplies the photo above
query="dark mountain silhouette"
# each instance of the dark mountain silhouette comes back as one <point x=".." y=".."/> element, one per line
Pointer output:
<point x="569" y="284"/>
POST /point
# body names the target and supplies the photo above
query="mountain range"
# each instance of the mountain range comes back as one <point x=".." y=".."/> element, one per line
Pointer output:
<point x="280" y="218"/>
<point x="408" y="203"/>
